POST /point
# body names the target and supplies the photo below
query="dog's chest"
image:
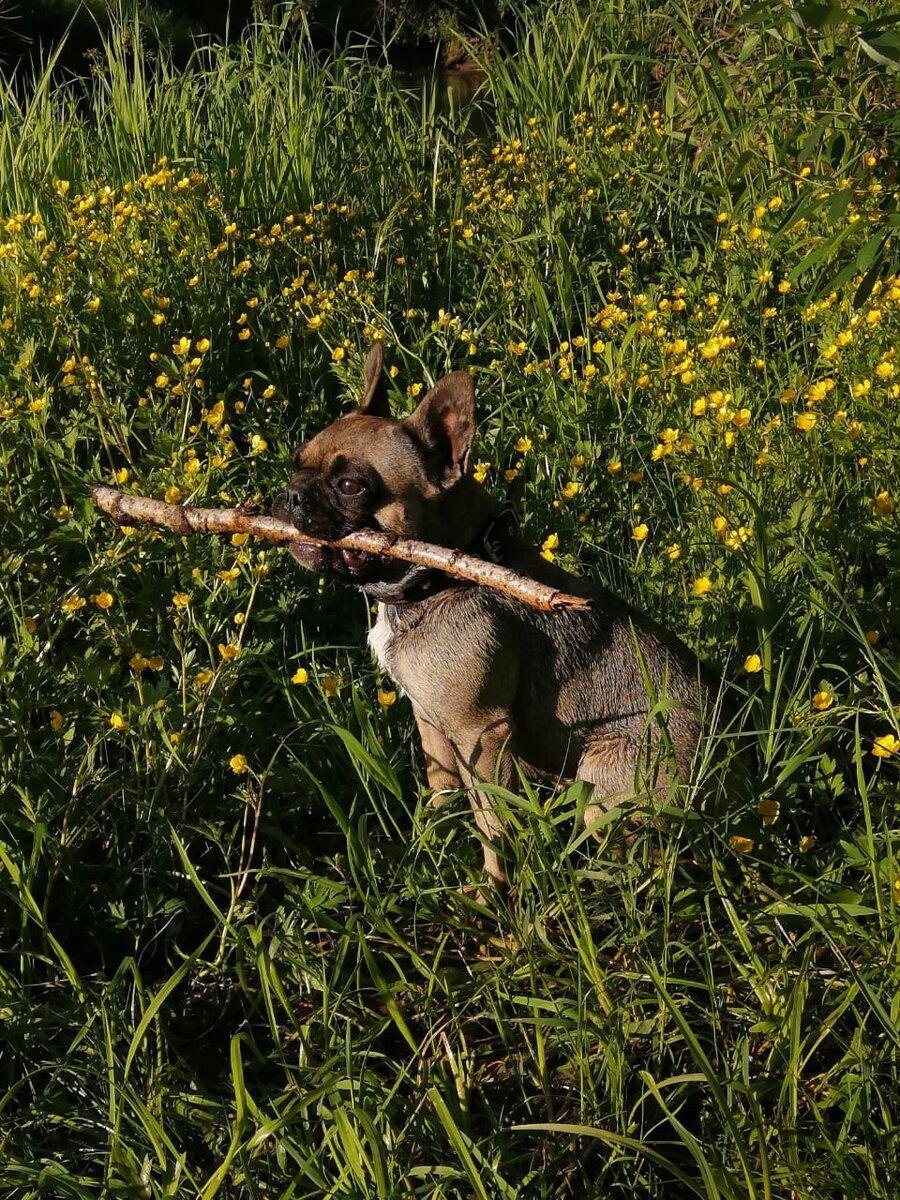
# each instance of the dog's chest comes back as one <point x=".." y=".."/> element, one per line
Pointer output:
<point x="404" y="654"/>
<point x="381" y="640"/>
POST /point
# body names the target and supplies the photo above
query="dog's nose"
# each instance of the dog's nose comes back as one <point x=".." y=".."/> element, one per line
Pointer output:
<point x="288" y="504"/>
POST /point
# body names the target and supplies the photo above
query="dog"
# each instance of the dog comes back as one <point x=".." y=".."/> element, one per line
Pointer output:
<point x="601" y="694"/>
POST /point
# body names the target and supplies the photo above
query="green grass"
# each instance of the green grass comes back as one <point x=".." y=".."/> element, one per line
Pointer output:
<point x="236" y="957"/>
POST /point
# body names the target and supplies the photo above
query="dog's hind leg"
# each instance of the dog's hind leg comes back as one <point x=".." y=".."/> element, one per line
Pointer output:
<point x="622" y="766"/>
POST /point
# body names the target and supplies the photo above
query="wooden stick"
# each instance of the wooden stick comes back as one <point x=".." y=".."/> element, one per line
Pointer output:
<point x="142" y="510"/>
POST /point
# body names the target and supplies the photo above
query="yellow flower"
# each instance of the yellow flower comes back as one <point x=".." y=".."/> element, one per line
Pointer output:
<point x="202" y="346"/>
<point x="523" y="445"/>
<point x="769" y="811"/>
<point x="674" y="551"/>
<point x="258" y="444"/>
<point x="216" y="414"/>
<point x="872" y="636"/>
<point x="480" y="472"/>
<point x="155" y="662"/>
<point x="173" y="494"/>
<point x="701" y="586"/>
<point x="331" y="685"/>
<point x="229" y="650"/>
<point x="300" y="676"/>
<point x="181" y="347"/>
<point x="239" y="764"/>
<point x="752" y="664"/>
<point x="885" y="746"/>
<point x="238" y="539"/>
<point x="118" y="721"/>
<point x="806" y="844"/>
<point x="614" y="466"/>
<point x="93" y="304"/>
<point x="73" y="603"/>
<point x="805" y="421"/>
<point x="122" y="475"/>
<point x="386" y="698"/>
<point x="639" y="532"/>
<point x="884" y="504"/>
<point x="551" y="542"/>
<point x="138" y="663"/>
<point x="571" y="489"/>
<point x="103" y="599"/>
<point x="283" y="342"/>
<point x="822" y="700"/>
<point x="204" y="677"/>
<point x="243" y="335"/>
<point x="181" y="599"/>
<point x="741" y="845"/>
<point x="56" y="720"/>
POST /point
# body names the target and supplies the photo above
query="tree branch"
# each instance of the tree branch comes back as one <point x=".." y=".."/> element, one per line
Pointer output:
<point x="182" y="519"/>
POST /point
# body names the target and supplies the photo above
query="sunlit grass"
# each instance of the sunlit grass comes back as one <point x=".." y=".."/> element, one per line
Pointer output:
<point x="238" y="959"/>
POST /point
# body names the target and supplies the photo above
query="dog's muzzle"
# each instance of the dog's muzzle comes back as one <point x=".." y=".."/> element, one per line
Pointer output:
<point x="294" y="505"/>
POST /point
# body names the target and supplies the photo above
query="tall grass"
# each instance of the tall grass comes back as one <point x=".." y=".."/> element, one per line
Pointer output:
<point x="237" y="957"/>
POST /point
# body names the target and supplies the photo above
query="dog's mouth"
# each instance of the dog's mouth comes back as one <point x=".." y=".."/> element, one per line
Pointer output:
<point x="342" y="562"/>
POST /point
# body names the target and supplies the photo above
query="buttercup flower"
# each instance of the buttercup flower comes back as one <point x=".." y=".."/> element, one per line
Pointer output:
<point x="884" y="504"/>
<point x="886" y="746"/>
<point x="331" y="684"/>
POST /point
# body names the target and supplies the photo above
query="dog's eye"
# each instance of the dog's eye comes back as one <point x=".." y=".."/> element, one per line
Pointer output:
<point x="350" y="487"/>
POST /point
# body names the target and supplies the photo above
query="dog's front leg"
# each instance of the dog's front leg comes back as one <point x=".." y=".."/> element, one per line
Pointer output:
<point x="485" y="755"/>
<point x="440" y="760"/>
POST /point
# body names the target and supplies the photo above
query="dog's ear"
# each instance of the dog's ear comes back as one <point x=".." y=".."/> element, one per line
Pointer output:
<point x="444" y="426"/>
<point x="375" y="401"/>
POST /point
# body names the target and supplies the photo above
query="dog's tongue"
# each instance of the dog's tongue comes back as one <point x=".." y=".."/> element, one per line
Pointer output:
<point x="354" y="559"/>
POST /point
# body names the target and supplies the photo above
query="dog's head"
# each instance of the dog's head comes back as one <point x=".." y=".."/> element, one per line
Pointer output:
<point x="369" y="471"/>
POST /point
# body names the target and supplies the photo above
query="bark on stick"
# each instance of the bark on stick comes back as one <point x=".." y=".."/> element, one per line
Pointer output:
<point x="183" y="519"/>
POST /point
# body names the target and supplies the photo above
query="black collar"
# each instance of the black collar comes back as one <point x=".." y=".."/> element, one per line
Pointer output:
<point x="490" y="544"/>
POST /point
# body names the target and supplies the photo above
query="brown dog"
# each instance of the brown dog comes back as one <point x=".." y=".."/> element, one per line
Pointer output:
<point x="602" y="694"/>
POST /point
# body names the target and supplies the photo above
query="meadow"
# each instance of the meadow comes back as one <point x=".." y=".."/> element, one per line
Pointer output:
<point x="236" y="956"/>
